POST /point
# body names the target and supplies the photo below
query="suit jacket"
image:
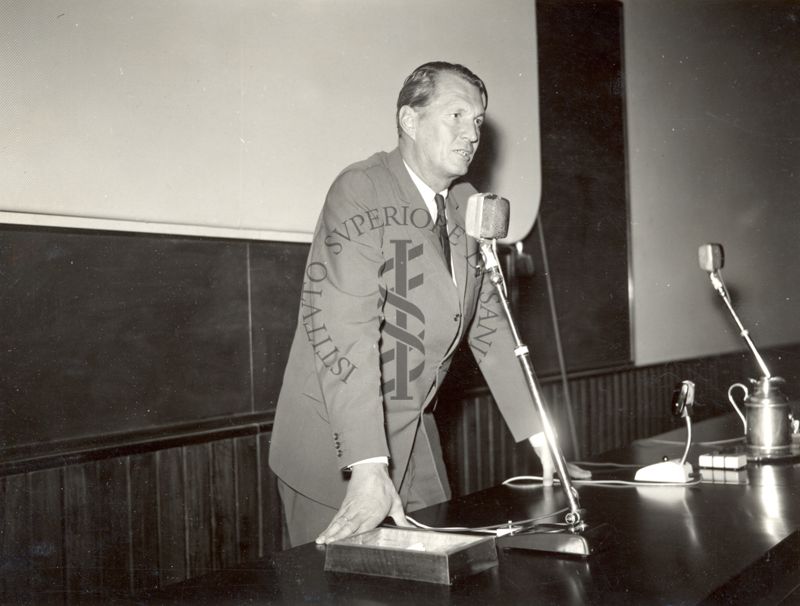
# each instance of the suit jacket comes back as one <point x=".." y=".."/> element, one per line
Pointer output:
<point x="379" y="321"/>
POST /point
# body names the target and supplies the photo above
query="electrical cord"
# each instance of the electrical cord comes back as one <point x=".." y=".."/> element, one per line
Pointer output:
<point x="510" y="527"/>
<point x="598" y="464"/>
<point x="531" y="525"/>
<point x="654" y="441"/>
<point x="534" y="481"/>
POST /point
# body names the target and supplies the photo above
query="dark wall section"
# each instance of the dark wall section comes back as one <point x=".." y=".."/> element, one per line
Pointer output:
<point x="107" y="333"/>
<point x="584" y="212"/>
<point x="276" y="273"/>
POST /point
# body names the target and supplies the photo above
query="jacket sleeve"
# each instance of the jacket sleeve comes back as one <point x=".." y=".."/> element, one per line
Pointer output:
<point x="342" y="315"/>
<point x="492" y="344"/>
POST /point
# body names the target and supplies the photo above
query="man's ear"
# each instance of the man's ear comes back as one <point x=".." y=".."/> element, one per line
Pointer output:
<point x="408" y="120"/>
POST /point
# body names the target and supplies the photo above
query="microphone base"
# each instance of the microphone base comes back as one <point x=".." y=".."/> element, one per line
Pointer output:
<point x="565" y="543"/>
<point x="667" y="471"/>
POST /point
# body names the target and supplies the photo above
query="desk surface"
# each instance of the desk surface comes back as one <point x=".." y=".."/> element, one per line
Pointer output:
<point x="711" y="543"/>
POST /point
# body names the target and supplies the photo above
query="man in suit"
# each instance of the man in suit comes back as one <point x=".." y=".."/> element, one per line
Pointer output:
<point x="392" y="285"/>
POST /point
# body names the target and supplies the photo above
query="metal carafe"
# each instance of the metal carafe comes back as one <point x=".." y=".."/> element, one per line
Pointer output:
<point x="769" y="419"/>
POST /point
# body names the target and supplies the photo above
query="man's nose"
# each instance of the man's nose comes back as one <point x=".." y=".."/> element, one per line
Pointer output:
<point x="471" y="132"/>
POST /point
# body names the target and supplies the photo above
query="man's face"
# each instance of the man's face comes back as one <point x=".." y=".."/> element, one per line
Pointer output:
<point x="446" y="132"/>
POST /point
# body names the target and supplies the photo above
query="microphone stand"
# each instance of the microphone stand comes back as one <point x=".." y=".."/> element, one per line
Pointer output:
<point x="719" y="286"/>
<point x="577" y="538"/>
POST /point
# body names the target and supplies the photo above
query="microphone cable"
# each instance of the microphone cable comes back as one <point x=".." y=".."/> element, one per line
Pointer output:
<point x="532" y="481"/>
<point x="498" y="530"/>
<point x="562" y="366"/>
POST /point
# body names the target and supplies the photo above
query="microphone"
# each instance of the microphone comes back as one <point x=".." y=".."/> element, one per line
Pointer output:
<point x="487" y="216"/>
<point x="675" y="471"/>
<point x="487" y="220"/>
<point x="711" y="257"/>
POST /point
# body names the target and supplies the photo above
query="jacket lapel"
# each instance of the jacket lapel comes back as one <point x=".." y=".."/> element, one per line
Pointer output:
<point x="411" y="196"/>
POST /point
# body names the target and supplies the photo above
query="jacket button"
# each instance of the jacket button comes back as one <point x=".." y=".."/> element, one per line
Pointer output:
<point x="456" y="317"/>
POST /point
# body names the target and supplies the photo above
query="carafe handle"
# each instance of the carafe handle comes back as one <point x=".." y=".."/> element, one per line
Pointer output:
<point x="733" y="402"/>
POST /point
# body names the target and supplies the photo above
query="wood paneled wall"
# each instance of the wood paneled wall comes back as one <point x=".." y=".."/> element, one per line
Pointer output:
<point x="116" y="521"/>
<point x="123" y="524"/>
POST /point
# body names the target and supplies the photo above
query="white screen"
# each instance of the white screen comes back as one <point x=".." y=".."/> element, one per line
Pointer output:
<point x="233" y="117"/>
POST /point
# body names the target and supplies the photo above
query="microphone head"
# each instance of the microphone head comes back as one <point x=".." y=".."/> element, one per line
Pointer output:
<point x="683" y="399"/>
<point x="711" y="257"/>
<point x="487" y="216"/>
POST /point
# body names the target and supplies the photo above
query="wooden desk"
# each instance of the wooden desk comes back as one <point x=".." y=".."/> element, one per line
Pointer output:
<point x="711" y="543"/>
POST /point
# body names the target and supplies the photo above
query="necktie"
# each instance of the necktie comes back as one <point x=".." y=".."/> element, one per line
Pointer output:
<point x="441" y="229"/>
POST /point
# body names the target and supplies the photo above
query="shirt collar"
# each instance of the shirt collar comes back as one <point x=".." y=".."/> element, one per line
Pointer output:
<point x="425" y="191"/>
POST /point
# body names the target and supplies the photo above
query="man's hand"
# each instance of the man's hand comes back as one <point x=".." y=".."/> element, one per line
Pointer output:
<point x="370" y="497"/>
<point x="548" y="467"/>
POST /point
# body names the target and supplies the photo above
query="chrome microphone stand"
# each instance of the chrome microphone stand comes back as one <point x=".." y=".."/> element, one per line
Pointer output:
<point x="719" y="286"/>
<point x="577" y="538"/>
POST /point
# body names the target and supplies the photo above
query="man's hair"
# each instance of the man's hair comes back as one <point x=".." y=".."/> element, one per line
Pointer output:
<point x="420" y="86"/>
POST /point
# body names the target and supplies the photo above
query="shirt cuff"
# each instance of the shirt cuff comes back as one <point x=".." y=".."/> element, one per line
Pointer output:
<point x="384" y="460"/>
<point x="537" y="440"/>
